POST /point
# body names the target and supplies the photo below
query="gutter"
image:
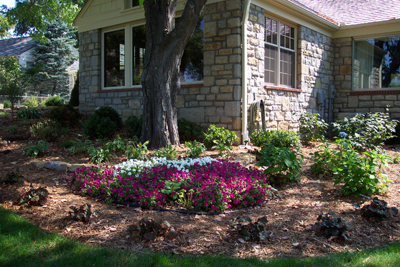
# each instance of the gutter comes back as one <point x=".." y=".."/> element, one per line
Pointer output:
<point x="244" y="70"/>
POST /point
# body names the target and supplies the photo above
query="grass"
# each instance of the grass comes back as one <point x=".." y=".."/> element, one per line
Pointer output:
<point x="23" y="244"/>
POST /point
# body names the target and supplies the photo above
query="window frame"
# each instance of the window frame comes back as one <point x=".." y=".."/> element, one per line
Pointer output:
<point x="278" y="58"/>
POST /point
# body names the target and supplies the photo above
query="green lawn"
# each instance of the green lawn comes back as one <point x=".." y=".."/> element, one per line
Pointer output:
<point x="23" y="244"/>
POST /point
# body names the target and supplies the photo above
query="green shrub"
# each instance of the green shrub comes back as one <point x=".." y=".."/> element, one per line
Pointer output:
<point x="283" y="164"/>
<point x="109" y="112"/>
<point x="312" y="127"/>
<point x="99" y="155"/>
<point x="13" y="177"/>
<point x="64" y="115"/>
<point x="6" y="104"/>
<point x="136" y="151"/>
<point x="4" y="114"/>
<point x="47" y="130"/>
<point x="188" y="131"/>
<point x="74" y="99"/>
<point x="34" y="150"/>
<point x="31" y="102"/>
<point x="67" y="143"/>
<point x="99" y="127"/>
<point x="223" y="150"/>
<point x="117" y="145"/>
<point x="276" y="138"/>
<point x="194" y="149"/>
<point x="134" y="125"/>
<point x="366" y="130"/>
<point x="29" y="113"/>
<point x="168" y="152"/>
<point x="80" y="146"/>
<point x="54" y="100"/>
<point x="221" y="134"/>
<point x="11" y="128"/>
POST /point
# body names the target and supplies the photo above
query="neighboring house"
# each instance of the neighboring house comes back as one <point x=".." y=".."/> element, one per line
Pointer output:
<point x="22" y="48"/>
<point x="333" y="57"/>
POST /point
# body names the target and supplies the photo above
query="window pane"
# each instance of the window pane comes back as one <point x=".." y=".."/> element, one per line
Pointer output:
<point x="114" y="58"/>
<point x="377" y="63"/>
<point x="270" y="64"/>
<point x="287" y="67"/>
<point x="135" y="3"/>
<point x="271" y="31"/>
<point x="138" y="46"/>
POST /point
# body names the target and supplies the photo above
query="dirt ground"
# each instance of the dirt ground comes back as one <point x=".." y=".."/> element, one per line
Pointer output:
<point x="291" y="212"/>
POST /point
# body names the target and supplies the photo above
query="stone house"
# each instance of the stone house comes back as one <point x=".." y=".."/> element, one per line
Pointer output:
<point x="332" y="57"/>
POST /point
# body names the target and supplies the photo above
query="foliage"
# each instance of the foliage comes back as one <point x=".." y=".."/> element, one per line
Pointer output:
<point x="64" y="115"/>
<point x="276" y="138"/>
<point x="361" y="174"/>
<point x="168" y="152"/>
<point x="34" y="150"/>
<point x="26" y="122"/>
<point x="32" y="196"/>
<point x="188" y="131"/>
<point x="396" y="159"/>
<point x="99" y="155"/>
<point x="99" y="127"/>
<point x="74" y="99"/>
<point x="117" y="145"/>
<point x="4" y="114"/>
<point x="331" y="226"/>
<point x="30" y="113"/>
<point x="283" y="164"/>
<point x="366" y="130"/>
<point x="6" y="104"/>
<point x="11" y="128"/>
<point x="200" y="184"/>
<point x="223" y="150"/>
<point x="13" y="177"/>
<point x="136" y="150"/>
<point x="47" y="130"/>
<point x="80" y="146"/>
<point x="378" y="209"/>
<point x="109" y="112"/>
<point x="194" y="148"/>
<point x="31" y="102"/>
<point x="134" y="126"/>
<point x="83" y="213"/>
<point x="221" y="134"/>
<point x="312" y="127"/>
<point x="51" y="101"/>
<point x="149" y="229"/>
<point x="68" y="143"/>
<point x="250" y="231"/>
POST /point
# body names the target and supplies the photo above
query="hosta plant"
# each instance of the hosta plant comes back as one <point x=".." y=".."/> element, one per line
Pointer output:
<point x="250" y="231"/>
<point x="378" y="210"/>
<point x="32" y="196"/>
<point x="332" y="226"/>
<point x="149" y="229"/>
<point x="83" y="213"/>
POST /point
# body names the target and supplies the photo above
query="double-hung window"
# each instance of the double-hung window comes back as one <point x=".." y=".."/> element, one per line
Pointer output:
<point x="280" y="54"/>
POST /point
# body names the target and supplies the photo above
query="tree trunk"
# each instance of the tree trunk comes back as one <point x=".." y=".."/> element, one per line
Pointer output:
<point x="160" y="78"/>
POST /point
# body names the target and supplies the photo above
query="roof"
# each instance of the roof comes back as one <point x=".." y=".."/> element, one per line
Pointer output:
<point x="15" y="46"/>
<point x="74" y="66"/>
<point x="352" y="12"/>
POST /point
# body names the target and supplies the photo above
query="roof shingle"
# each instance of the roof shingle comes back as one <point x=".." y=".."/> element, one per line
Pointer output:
<point x="15" y="46"/>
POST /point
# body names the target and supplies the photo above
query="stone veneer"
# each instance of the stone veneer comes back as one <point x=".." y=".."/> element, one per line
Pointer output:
<point x="314" y="75"/>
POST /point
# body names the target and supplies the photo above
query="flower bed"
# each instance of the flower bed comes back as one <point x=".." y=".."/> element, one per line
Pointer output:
<point x="197" y="184"/>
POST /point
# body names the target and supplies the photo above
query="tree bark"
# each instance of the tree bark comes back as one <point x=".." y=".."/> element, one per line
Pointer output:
<point x="160" y="78"/>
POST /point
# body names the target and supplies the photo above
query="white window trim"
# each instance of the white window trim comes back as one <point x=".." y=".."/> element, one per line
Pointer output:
<point x="278" y="45"/>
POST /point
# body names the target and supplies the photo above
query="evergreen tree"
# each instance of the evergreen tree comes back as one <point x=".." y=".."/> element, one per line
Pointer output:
<point x="53" y="57"/>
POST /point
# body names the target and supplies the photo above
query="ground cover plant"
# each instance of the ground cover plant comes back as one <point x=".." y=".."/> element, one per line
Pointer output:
<point x="200" y="184"/>
<point x="279" y="138"/>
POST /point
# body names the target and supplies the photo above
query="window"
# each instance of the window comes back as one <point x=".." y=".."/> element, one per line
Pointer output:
<point x="280" y="53"/>
<point x="138" y="46"/>
<point x="114" y="58"/>
<point x="376" y="63"/>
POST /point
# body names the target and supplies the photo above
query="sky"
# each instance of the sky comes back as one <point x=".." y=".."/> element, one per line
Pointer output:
<point x="8" y="3"/>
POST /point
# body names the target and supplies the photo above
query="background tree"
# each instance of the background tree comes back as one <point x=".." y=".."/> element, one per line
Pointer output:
<point x="5" y="24"/>
<point x="48" y="73"/>
<point x="11" y="78"/>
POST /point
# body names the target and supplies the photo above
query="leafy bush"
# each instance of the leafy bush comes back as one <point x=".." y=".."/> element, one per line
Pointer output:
<point x="34" y="150"/>
<point x="221" y="134"/>
<point x="83" y="213"/>
<point x="47" y="130"/>
<point x="250" y="231"/>
<point x="64" y="115"/>
<point x="361" y="174"/>
<point x="194" y="148"/>
<point x="276" y="138"/>
<point x="54" y="100"/>
<point x="283" y="164"/>
<point x="99" y="127"/>
<point x="168" y="152"/>
<point x="223" y="150"/>
<point x="4" y="114"/>
<point x="6" y="104"/>
<point x="32" y="102"/>
<point x="67" y="143"/>
<point x="188" y="131"/>
<point x="74" y="100"/>
<point x="11" y="128"/>
<point x="149" y="229"/>
<point x="312" y="127"/>
<point x="333" y="226"/>
<point x="117" y="145"/>
<point x="109" y="112"/>
<point x="366" y="130"/>
<point x="80" y="146"/>
<point x="29" y="113"/>
<point x="134" y="125"/>
<point x="13" y="177"/>
<point x="136" y="150"/>
<point x="378" y="210"/>
<point x="32" y="196"/>
<point x="99" y="155"/>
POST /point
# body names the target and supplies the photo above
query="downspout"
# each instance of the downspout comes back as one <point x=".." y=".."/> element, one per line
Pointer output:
<point x="244" y="70"/>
